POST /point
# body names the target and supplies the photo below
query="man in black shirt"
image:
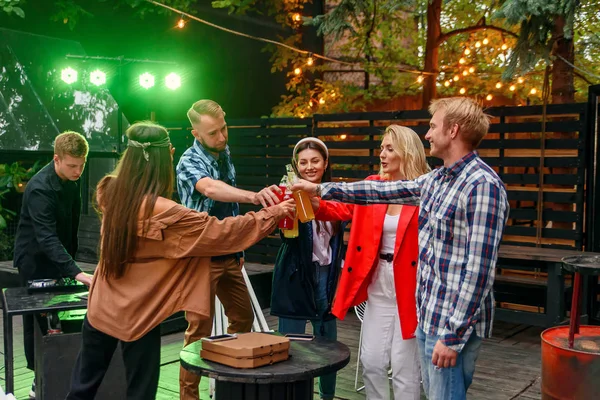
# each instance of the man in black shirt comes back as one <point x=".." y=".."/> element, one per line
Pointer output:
<point x="46" y="239"/>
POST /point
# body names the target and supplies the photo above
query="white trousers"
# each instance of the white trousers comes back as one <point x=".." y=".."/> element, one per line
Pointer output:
<point x="382" y="344"/>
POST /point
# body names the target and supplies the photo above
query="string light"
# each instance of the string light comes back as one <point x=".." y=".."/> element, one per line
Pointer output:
<point x="472" y="69"/>
<point x="447" y="83"/>
<point x="321" y="101"/>
<point x="310" y="103"/>
<point x="478" y="44"/>
<point x="333" y="94"/>
<point x="467" y="52"/>
<point x="420" y="78"/>
<point x="504" y="46"/>
<point x="465" y="72"/>
<point x="297" y="71"/>
<point x="462" y="61"/>
<point x="520" y="80"/>
<point x="310" y="60"/>
<point x="498" y="85"/>
<point x="181" y="23"/>
<point x="297" y="17"/>
<point x="343" y="137"/>
<point x="533" y="91"/>
<point x="485" y="41"/>
<point x="512" y="88"/>
<point x="456" y="77"/>
<point x="489" y="97"/>
<point x="463" y="90"/>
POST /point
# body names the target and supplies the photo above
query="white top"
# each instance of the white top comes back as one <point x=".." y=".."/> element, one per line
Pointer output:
<point x="388" y="237"/>
<point x="321" y="247"/>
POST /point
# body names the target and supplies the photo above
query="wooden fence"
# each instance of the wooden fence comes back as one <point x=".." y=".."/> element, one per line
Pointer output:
<point x="551" y="171"/>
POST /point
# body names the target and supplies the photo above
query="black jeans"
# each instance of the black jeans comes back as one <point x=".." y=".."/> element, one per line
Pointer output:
<point x="141" y="359"/>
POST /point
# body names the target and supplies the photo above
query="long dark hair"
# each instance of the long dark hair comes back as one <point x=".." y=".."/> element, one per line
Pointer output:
<point x="144" y="172"/>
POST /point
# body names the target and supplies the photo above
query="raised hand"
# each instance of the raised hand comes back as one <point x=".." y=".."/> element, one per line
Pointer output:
<point x="308" y="187"/>
<point x="268" y="196"/>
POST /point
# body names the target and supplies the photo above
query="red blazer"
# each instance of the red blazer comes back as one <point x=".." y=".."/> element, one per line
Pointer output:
<point x="362" y="256"/>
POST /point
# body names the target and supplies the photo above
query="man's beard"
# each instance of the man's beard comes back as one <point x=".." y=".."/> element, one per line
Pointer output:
<point x="214" y="149"/>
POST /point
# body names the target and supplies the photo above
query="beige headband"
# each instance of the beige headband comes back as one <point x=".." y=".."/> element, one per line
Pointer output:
<point x="318" y="142"/>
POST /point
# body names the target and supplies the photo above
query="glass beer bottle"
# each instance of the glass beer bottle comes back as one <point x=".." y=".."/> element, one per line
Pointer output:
<point x="304" y="208"/>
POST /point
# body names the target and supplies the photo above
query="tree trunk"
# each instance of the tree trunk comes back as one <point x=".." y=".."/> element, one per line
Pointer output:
<point x="563" y="89"/>
<point x="434" y="30"/>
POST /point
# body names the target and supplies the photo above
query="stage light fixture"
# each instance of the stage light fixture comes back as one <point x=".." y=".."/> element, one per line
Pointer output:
<point x="146" y="80"/>
<point x="68" y="75"/>
<point x="97" y="77"/>
<point x="173" y="81"/>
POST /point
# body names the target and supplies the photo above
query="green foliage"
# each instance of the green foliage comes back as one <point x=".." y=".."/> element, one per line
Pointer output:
<point x="536" y="20"/>
<point x="11" y="7"/>
<point x="13" y="177"/>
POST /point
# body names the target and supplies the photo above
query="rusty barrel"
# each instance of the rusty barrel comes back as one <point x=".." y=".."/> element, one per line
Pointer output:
<point x="571" y="374"/>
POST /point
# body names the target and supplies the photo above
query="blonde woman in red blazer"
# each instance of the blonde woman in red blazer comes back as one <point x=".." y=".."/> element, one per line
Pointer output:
<point x="381" y="267"/>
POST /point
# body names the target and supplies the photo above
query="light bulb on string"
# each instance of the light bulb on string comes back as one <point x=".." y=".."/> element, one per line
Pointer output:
<point x="462" y="61"/>
<point x="472" y="69"/>
<point x="489" y="97"/>
<point x="297" y="17"/>
<point x="520" y="80"/>
<point x="498" y="85"/>
<point x="478" y="44"/>
<point x="485" y="41"/>
<point x="512" y="88"/>
<point x="321" y="101"/>
<point x="310" y="60"/>
<point x="310" y="103"/>
<point x="420" y="78"/>
<point x="447" y="83"/>
<point x="456" y="77"/>
<point x="465" y="72"/>
<point x="467" y="52"/>
<point x="463" y="90"/>
<point x="504" y="46"/>
<point x="297" y="71"/>
<point x="181" y="23"/>
<point x="533" y="91"/>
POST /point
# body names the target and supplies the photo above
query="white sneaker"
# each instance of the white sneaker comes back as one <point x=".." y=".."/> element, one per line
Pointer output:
<point x="32" y="391"/>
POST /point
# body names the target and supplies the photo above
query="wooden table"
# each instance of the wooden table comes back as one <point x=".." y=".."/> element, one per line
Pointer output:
<point x="547" y="260"/>
<point x="291" y="379"/>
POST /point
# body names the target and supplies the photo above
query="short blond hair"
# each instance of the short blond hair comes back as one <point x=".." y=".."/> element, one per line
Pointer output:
<point x="408" y="145"/>
<point x="71" y="143"/>
<point x="204" y="107"/>
<point x="473" y="123"/>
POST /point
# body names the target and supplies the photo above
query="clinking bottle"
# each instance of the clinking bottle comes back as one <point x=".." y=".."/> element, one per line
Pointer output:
<point x="304" y="208"/>
<point x="288" y="225"/>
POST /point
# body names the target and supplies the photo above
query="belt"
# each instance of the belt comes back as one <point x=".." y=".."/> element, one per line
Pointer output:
<point x="389" y="257"/>
<point x="223" y="257"/>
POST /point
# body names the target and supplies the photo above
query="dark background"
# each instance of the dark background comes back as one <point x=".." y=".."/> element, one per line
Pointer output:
<point x="229" y="69"/>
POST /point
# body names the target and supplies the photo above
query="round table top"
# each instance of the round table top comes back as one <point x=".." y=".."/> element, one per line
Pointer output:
<point x="588" y="265"/>
<point x="308" y="359"/>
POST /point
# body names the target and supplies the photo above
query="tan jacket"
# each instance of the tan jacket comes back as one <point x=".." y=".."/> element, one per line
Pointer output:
<point x="171" y="272"/>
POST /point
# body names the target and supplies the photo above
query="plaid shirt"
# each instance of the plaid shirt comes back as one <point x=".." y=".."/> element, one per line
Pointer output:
<point x="197" y="163"/>
<point x="463" y="212"/>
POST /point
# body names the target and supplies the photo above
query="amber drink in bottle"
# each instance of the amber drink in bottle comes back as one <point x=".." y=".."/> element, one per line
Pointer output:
<point x="304" y="208"/>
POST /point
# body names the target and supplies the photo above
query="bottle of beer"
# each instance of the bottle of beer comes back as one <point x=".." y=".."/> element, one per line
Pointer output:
<point x="303" y="206"/>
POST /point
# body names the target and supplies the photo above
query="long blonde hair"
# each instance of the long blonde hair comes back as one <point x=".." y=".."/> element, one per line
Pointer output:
<point x="408" y="145"/>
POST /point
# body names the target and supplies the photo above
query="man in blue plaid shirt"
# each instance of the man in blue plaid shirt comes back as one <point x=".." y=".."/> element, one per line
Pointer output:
<point x="206" y="182"/>
<point x="463" y="210"/>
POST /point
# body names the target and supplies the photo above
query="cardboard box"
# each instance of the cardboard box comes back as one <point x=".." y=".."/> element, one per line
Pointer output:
<point x="249" y="350"/>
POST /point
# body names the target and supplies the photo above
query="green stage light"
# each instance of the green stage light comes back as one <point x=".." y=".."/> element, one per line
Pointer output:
<point x="146" y="80"/>
<point x="173" y="81"/>
<point x="68" y="75"/>
<point x="98" y="77"/>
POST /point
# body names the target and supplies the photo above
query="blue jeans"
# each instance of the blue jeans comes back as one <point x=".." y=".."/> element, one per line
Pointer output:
<point x="447" y="383"/>
<point x="327" y="329"/>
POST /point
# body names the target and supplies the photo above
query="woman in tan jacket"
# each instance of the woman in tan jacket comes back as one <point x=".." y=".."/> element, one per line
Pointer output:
<point x="154" y="261"/>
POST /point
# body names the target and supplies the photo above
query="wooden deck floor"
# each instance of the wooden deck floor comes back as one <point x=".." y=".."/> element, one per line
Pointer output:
<point x="508" y="367"/>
